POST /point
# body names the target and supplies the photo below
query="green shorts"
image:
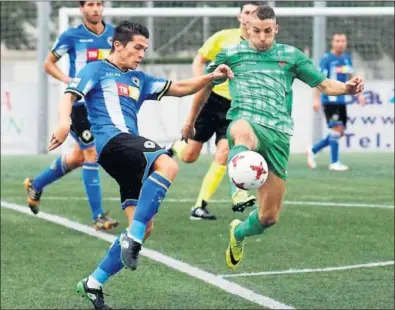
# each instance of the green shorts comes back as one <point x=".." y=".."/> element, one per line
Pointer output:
<point x="273" y="145"/>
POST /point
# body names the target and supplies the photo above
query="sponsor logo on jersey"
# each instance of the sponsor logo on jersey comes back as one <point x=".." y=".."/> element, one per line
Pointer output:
<point x="126" y="90"/>
<point x="93" y="54"/>
<point x="136" y="81"/>
<point x="85" y="40"/>
<point x="109" y="40"/>
<point x="343" y="69"/>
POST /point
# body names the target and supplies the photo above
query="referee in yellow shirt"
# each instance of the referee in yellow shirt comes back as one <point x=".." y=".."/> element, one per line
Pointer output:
<point x="212" y="120"/>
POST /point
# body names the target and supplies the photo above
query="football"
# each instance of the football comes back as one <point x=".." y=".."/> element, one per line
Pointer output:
<point x="248" y="170"/>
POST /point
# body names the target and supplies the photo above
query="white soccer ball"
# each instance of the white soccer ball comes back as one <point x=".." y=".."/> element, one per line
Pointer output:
<point x="248" y="170"/>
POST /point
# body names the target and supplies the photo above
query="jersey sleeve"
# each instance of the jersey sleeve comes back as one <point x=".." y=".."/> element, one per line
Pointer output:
<point x="212" y="46"/>
<point x="62" y="44"/>
<point x="306" y="71"/>
<point x="84" y="82"/>
<point x="220" y="59"/>
<point x="324" y="65"/>
<point x="155" y="88"/>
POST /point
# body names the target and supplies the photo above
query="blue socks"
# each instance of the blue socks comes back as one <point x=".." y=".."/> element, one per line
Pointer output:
<point x="91" y="179"/>
<point x="110" y="265"/>
<point x="321" y="144"/>
<point x="334" y="144"/>
<point x="332" y="139"/>
<point x="54" y="172"/>
<point x="152" y="193"/>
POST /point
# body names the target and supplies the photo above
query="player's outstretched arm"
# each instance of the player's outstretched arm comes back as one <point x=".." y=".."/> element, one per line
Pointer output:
<point x="191" y="86"/>
<point x="335" y="88"/>
<point x="52" y="69"/>
<point x="188" y="131"/>
<point x="63" y="128"/>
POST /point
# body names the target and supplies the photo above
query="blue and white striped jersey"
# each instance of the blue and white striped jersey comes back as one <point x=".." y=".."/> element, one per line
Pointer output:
<point x="336" y="68"/>
<point x="113" y="98"/>
<point x="83" y="46"/>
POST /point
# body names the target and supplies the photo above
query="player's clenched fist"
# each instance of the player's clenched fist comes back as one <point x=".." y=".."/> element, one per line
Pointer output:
<point x="59" y="136"/>
<point x="222" y="71"/>
<point x="355" y="86"/>
<point x="187" y="132"/>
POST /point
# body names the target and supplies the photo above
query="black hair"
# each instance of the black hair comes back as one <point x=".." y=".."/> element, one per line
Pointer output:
<point x="125" y="32"/>
<point x="339" y="33"/>
<point x="82" y="3"/>
<point x="256" y="3"/>
<point x="265" y="12"/>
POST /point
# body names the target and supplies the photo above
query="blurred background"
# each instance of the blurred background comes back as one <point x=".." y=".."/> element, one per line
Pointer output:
<point x="29" y="104"/>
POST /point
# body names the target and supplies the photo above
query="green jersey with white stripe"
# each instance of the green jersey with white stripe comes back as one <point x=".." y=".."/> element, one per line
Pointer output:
<point x="261" y="90"/>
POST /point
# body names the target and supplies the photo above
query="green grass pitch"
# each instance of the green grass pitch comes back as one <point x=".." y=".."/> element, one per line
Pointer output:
<point x="347" y="220"/>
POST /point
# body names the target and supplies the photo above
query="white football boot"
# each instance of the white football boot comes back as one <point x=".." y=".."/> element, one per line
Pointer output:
<point x="310" y="158"/>
<point x="337" y="166"/>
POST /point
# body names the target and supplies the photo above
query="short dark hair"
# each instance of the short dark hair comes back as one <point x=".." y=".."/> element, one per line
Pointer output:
<point x="256" y="3"/>
<point x="339" y="33"/>
<point x="265" y="12"/>
<point x="82" y="3"/>
<point x="125" y="32"/>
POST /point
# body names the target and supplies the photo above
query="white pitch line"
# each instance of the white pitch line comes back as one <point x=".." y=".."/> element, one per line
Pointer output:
<point x="294" y="271"/>
<point x="287" y="202"/>
<point x="190" y="270"/>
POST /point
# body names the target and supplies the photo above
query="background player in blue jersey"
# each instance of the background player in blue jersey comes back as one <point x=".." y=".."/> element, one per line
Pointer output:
<point x="337" y="65"/>
<point x="114" y="92"/>
<point x="88" y="42"/>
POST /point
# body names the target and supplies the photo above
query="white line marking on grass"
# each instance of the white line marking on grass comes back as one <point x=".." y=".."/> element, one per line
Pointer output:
<point x="190" y="270"/>
<point x="294" y="271"/>
<point x="286" y="202"/>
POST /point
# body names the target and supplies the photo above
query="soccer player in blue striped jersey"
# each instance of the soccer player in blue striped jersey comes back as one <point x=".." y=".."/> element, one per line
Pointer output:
<point x="336" y="65"/>
<point x="114" y="92"/>
<point x="88" y="42"/>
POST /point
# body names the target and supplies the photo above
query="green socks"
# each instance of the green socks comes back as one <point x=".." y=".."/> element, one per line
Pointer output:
<point x="251" y="226"/>
<point x="236" y="150"/>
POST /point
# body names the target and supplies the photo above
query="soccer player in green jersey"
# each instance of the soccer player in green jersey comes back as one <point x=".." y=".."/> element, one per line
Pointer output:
<point x="261" y="114"/>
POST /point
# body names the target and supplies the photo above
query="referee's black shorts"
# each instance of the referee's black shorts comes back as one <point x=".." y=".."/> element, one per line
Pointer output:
<point x="212" y="119"/>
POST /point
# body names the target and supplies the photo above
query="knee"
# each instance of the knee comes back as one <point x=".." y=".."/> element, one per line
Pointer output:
<point x="339" y="130"/>
<point x="74" y="160"/>
<point x="242" y="133"/>
<point x="221" y="155"/>
<point x="189" y="156"/>
<point x="90" y="155"/>
<point x="166" y="166"/>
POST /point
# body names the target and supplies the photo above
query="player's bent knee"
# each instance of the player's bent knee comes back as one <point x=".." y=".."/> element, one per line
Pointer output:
<point x="189" y="156"/>
<point x="90" y="155"/>
<point x="242" y="133"/>
<point x="74" y="160"/>
<point x="167" y="166"/>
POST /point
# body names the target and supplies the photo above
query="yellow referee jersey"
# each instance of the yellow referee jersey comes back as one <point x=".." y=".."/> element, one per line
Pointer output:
<point x="213" y="46"/>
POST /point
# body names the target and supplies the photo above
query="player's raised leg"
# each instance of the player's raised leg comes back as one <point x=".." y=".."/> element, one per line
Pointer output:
<point x="92" y="286"/>
<point x="153" y="191"/>
<point x="59" y="167"/>
<point x="274" y="146"/>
